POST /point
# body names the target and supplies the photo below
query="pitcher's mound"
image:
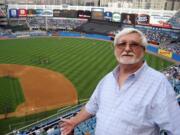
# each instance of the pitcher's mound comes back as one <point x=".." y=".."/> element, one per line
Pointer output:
<point x="43" y="89"/>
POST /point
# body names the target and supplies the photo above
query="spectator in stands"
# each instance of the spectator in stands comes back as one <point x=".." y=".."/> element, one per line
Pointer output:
<point x="50" y="131"/>
<point x="37" y="132"/>
<point x="133" y="99"/>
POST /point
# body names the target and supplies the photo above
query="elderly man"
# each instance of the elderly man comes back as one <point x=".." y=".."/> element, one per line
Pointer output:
<point x="133" y="99"/>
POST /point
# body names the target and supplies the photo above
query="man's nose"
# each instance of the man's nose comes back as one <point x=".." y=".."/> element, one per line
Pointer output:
<point x="127" y="47"/>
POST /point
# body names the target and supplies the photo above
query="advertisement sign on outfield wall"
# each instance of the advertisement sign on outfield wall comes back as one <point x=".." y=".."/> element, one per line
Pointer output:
<point x="165" y="53"/>
<point x="97" y="13"/>
<point x="13" y="13"/>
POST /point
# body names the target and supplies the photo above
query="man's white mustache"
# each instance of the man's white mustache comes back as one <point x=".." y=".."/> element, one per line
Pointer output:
<point x="130" y="53"/>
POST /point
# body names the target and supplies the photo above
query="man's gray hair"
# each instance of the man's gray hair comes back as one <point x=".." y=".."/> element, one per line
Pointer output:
<point x="126" y="31"/>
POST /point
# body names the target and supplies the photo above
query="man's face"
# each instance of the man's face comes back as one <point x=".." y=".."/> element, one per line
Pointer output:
<point x="128" y="49"/>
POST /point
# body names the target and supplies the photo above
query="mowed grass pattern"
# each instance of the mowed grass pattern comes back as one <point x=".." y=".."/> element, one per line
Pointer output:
<point x="83" y="61"/>
<point x="11" y="94"/>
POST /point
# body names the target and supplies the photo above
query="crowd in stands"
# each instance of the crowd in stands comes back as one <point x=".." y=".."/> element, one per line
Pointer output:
<point x="16" y="22"/>
<point x="99" y="27"/>
<point x="87" y="127"/>
<point x="173" y="75"/>
<point x="172" y="46"/>
<point x="4" y="32"/>
<point x="9" y="34"/>
<point x="166" y="39"/>
<point x="54" y="23"/>
<point x="156" y="35"/>
<point x="35" y="22"/>
<point x="30" y="33"/>
<point x="51" y="130"/>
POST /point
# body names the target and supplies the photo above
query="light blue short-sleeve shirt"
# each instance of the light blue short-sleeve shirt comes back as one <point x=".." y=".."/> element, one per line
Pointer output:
<point x="145" y="104"/>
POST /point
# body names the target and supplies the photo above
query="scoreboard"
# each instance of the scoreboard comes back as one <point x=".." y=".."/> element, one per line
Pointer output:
<point x="84" y="14"/>
<point x="65" y="13"/>
<point x="97" y="13"/>
<point x="56" y="12"/>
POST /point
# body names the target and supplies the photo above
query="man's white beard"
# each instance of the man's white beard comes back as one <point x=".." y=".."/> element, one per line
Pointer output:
<point x="129" y="60"/>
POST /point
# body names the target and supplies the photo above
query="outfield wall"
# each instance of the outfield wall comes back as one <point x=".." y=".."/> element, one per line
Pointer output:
<point x="176" y="57"/>
<point x="150" y="48"/>
<point x="95" y="36"/>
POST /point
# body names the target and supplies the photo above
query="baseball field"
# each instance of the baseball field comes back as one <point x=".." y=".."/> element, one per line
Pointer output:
<point x="42" y="74"/>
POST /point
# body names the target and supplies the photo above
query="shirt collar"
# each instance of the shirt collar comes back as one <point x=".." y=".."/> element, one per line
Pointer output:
<point x="135" y="74"/>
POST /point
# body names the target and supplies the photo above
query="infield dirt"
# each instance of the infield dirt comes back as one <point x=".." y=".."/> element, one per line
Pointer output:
<point x="43" y="89"/>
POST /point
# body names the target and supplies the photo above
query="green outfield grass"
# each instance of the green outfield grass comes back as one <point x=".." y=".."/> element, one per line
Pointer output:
<point x="83" y="61"/>
<point x="11" y="94"/>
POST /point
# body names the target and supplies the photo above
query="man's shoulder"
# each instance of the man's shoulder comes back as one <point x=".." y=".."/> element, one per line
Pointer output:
<point x="109" y="77"/>
<point x="151" y="72"/>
